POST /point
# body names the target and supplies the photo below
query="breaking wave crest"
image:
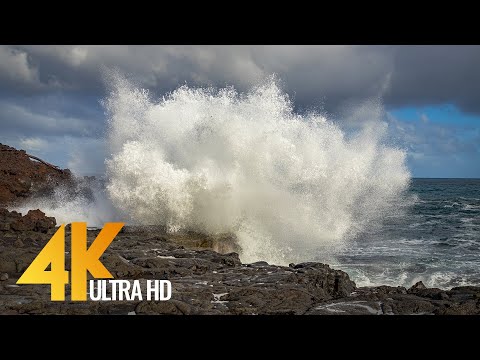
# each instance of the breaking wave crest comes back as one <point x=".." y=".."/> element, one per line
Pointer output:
<point x="216" y="161"/>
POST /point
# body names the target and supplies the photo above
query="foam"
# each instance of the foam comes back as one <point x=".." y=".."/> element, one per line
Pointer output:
<point x="220" y="161"/>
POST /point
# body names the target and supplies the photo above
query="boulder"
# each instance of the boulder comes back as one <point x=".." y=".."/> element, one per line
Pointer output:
<point x="418" y="286"/>
<point x="35" y="220"/>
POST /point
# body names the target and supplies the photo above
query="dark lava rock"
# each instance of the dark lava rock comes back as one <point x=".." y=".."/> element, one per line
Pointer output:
<point x="203" y="281"/>
<point x="418" y="286"/>
<point x="20" y="176"/>
<point x="208" y="282"/>
<point x="35" y="220"/>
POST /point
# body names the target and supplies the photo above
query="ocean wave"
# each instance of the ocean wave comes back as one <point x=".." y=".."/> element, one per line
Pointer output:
<point x="216" y="160"/>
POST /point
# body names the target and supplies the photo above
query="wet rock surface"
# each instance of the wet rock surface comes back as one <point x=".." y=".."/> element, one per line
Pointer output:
<point x="208" y="282"/>
<point x="385" y="300"/>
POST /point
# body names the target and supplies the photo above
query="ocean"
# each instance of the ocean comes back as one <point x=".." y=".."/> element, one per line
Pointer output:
<point x="436" y="240"/>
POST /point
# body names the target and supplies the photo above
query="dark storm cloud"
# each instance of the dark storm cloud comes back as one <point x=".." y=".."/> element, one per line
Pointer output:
<point x="435" y="75"/>
<point x="51" y="115"/>
<point x="49" y="95"/>
<point x="313" y="75"/>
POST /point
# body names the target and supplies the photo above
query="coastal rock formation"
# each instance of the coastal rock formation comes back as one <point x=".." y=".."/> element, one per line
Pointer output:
<point x="208" y="282"/>
<point x="20" y="176"/>
<point x="35" y="220"/>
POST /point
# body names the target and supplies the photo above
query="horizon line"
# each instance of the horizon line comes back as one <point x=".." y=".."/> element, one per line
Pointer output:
<point x="446" y="178"/>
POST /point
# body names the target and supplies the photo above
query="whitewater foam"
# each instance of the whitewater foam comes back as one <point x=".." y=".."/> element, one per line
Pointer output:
<point x="219" y="161"/>
<point x="86" y="202"/>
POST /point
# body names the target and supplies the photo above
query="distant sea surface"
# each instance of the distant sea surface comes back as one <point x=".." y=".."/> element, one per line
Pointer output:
<point x="436" y="241"/>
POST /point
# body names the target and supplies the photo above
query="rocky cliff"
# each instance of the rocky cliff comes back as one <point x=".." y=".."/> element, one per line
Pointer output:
<point x="22" y="175"/>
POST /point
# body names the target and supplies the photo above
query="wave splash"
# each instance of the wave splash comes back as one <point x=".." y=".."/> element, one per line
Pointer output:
<point x="87" y="201"/>
<point x="216" y="161"/>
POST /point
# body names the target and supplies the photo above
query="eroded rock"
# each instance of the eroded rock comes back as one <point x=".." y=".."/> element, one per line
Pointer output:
<point x="207" y="282"/>
<point x="35" y="220"/>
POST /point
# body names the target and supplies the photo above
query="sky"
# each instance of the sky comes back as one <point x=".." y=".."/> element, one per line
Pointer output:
<point x="50" y="96"/>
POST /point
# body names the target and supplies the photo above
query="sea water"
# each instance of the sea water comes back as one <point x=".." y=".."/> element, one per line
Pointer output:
<point x="437" y="240"/>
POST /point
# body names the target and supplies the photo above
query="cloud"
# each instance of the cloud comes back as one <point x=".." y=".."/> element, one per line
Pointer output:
<point x="424" y="118"/>
<point x="51" y="93"/>
<point x="432" y="139"/>
<point x="33" y="116"/>
<point x="329" y="76"/>
<point x="87" y="156"/>
<point x="15" y="67"/>
<point x="33" y="144"/>
<point x="18" y="119"/>
<point x="436" y="74"/>
<point x="314" y="75"/>
<point x="437" y="150"/>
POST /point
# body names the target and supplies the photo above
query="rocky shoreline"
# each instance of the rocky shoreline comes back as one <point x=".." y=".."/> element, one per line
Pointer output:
<point x="206" y="273"/>
<point x="205" y="281"/>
